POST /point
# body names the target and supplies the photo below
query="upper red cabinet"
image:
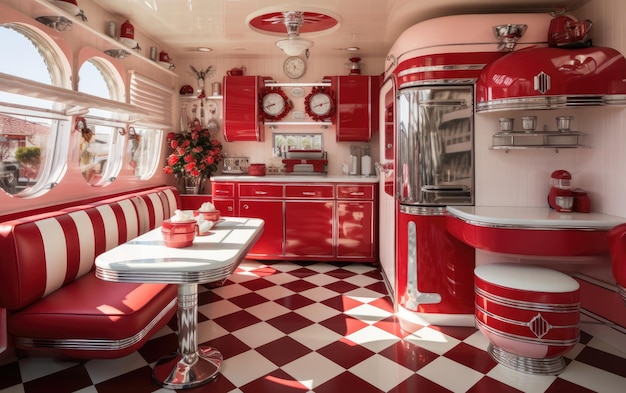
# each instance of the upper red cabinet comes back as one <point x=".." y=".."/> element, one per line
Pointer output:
<point x="242" y="117"/>
<point x="357" y="106"/>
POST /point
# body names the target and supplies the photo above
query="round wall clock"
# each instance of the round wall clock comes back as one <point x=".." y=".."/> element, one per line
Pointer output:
<point x="294" y="67"/>
<point x="320" y="104"/>
<point x="275" y="104"/>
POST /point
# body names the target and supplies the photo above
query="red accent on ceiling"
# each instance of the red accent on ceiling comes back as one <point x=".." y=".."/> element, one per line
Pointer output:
<point x="273" y="22"/>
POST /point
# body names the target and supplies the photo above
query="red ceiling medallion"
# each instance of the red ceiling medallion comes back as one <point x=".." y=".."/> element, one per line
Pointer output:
<point x="274" y="22"/>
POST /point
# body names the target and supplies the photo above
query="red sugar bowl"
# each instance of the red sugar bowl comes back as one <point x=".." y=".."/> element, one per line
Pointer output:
<point x="178" y="234"/>
<point x="209" y="215"/>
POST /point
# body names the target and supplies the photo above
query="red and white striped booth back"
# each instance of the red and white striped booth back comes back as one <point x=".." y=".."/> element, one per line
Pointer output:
<point x="44" y="252"/>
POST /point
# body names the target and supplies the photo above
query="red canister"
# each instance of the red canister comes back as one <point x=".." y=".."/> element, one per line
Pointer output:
<point x="256" y="170"/>
<point x="582" y="203"/>
<point x="164" y="57"/>
<point x="127" y="30"/>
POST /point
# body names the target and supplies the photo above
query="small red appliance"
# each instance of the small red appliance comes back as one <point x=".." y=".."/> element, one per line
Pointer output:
<point x="560" y="197"/>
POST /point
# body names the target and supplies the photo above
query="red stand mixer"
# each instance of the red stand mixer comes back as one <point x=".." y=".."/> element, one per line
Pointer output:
<point x="561" y="197"/>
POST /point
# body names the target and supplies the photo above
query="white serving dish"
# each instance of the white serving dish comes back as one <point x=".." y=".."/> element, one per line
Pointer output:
<point x="132" y="44"/>
<point x="165" y="64"/>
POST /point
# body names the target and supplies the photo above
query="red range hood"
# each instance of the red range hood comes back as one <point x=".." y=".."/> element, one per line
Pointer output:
<point x="552" y="77"/>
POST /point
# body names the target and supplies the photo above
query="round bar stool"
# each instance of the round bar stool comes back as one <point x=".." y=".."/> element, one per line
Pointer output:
<point x="529" y="314"/>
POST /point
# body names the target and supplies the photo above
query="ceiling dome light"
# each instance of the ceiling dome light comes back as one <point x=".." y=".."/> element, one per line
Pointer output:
<point x="294" y="46"/>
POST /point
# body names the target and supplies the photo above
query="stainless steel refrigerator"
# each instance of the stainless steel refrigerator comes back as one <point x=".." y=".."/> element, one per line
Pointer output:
<point x="434" y="168"/>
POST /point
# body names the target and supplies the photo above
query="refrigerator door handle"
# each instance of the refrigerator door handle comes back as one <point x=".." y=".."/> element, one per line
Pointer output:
<point x="413" y="296"/>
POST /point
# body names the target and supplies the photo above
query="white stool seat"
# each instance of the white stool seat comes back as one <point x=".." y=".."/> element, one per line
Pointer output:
<point x="529" y="314"/>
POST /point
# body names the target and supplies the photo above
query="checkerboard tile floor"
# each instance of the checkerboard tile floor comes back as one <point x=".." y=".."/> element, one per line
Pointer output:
<point x="324" y="328"/>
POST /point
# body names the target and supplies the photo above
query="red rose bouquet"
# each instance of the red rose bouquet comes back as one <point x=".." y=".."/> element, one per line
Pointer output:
<point x="195" y="153"/>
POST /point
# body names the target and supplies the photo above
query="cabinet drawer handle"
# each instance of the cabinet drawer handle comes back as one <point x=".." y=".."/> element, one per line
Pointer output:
<point x="308" y="193"/>
<point x="222" y="191"/>
<point x="357" y="193"/>
<point x="261" y="193"/>
<point x="230" y="208"/>
<point x="246" y="207"/>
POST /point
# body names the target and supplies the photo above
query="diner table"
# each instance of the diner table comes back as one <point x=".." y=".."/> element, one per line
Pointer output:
<point x="211" y="258"/>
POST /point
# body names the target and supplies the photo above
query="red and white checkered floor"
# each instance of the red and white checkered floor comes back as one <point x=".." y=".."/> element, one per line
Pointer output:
<point x="325" y="328"/>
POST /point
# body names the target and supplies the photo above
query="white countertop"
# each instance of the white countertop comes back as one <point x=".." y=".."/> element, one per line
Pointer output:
<point x="533" y="217"/>
<point x="210" y="258"/>
<point x="297" y="178"/>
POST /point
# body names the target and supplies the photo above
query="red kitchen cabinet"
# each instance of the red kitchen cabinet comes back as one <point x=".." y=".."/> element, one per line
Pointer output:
<point x="271" y="241"/>
<point x="314" y="221"/>
<point x="355" y="222"/>
<point x="357" y="106"/>
<point x="242" y="119"/>
<point x="309" y="212"/>
<point x="309" y="229"/>
<point x="224" y="198"/>
<point x="264" y="201"/>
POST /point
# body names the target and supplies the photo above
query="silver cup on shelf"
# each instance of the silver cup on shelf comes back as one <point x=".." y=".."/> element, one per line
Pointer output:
<point x="563" y="123"/>
<point x="506" y="124"/>
<point x="529" y="123"/>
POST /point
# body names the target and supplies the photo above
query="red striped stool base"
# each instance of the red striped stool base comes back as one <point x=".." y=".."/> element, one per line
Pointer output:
<point x="529" y="314"/>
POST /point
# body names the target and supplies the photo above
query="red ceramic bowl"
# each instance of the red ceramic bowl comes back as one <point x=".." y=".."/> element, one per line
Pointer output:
<point x="178" y="234"/>
<point x="256" y="169"/>
<point x="210" y="216"/>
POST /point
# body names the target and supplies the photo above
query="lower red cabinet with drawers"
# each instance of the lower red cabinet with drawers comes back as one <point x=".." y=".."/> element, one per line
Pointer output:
<point x="224" y="198"/>
<point x="318" y="221"/>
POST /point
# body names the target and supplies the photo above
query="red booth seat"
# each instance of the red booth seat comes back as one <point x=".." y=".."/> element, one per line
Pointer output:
<point x="56" y="307"/>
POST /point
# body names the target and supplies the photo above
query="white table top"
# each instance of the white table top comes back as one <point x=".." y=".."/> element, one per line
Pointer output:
<point x="533" y="217"/>
<point x="210" y="258"/>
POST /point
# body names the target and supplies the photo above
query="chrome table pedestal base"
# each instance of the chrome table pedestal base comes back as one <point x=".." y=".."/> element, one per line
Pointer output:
<point x="192" y="365"/>
<point x="538" y="366"/>
<point x="178" y="371"/>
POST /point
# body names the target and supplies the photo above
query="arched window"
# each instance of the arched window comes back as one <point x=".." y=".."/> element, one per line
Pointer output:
<point x="102" y="131"/>
<point x="33" y="131"/>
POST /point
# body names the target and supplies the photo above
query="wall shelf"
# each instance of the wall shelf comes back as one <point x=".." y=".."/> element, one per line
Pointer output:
<point x="107" y="44"/>
<point x="275" y="124"/>
<point x="269" y="83"/>
<point x="195" y="97"/>
<point x="519" y="140"/>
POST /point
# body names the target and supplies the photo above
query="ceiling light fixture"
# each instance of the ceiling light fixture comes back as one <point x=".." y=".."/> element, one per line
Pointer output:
<point x="352" y="49"/>
<point x="204" y="49"/>
<point x="293" y="45"/>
